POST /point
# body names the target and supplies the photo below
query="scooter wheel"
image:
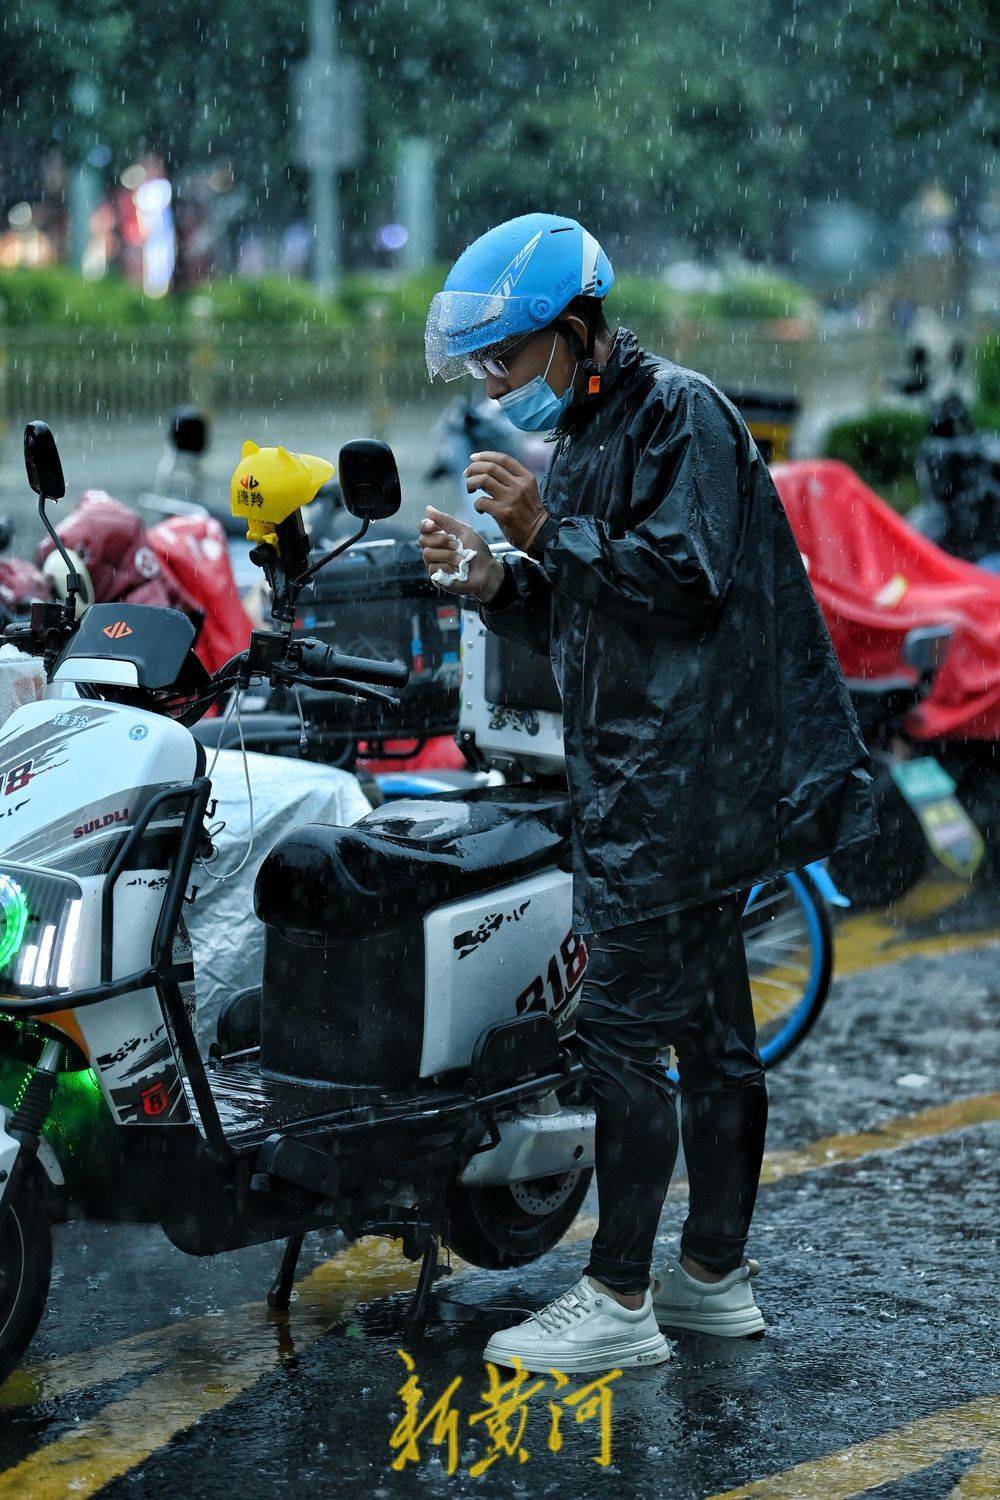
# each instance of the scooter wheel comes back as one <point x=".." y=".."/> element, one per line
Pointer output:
<point x="501" y="1227"/>
<point x="25" y="1269"/>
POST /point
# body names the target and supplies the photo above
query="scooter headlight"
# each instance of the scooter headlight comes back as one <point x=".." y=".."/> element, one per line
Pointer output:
<point x="13" y="918"/>
<point x="39" y="928"/>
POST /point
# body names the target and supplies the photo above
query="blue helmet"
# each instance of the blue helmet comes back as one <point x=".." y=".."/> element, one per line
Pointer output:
<point x="508" y="284"/>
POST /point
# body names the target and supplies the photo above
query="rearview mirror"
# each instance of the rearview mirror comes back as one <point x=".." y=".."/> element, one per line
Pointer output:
<point x="41" y="460"/>
<point x="369" y="479"/>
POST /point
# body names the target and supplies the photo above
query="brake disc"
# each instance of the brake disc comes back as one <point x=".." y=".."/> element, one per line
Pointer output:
<point x="542" y="1195"/>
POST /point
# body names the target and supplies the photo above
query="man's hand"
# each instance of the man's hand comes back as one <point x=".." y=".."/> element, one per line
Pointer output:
<point x="511" y="497"/>
<point x="440" y="551"/>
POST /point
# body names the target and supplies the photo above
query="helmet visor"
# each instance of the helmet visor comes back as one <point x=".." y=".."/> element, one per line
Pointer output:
<point x="461" y="325"/>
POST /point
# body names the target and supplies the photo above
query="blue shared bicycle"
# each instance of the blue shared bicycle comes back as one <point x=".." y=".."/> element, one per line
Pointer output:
<point x="788" y="936"/>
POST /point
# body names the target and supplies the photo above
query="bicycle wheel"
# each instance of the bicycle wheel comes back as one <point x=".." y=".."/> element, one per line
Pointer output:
<point x="789" y="946"/>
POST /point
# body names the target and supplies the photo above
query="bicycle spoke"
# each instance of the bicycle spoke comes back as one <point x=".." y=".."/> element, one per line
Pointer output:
<point x="781" y="985"/>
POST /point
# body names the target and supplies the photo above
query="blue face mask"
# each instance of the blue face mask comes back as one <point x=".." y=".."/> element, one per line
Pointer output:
<point x="535" y="407"/>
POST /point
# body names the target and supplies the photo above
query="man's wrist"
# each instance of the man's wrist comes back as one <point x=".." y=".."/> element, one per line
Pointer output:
<point x="536" y="527"/>
<point x="548" y="529"/>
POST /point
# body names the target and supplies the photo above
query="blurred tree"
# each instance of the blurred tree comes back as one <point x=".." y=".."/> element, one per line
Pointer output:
<point x="634" y="120"/>
<point x="929" y="61"/>
<point x="928" y="65"/>
<point x="703" y="123"/>
<point x="193" y="83"/>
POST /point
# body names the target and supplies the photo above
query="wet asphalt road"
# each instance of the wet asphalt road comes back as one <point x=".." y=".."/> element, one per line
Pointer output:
<point x="154" y="1373"/>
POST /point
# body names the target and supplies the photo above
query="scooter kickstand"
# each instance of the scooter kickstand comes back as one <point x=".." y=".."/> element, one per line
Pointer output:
<point x="415" y="1320"/>
<point x="280" y="1294"/>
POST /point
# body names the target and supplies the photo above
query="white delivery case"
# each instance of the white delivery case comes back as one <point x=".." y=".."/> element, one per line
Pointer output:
<point x="510" y="708"/>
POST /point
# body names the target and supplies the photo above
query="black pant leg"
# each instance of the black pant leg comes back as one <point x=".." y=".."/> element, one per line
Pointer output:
<point x="723" y="1115"/>
<point x="636" y="1132"/>
<point x="644" y="983"/>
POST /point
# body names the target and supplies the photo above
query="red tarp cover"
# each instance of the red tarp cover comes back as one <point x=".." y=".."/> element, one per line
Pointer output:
<point x="181" y="564"/>
<point x="111" y="541"/>
<point x="439" y="754"/>
<point x="193" y="549"/>
<point x="876" y="578"/>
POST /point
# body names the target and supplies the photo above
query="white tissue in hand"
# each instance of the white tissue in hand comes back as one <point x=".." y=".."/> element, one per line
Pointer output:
<point x="463" y="557"/>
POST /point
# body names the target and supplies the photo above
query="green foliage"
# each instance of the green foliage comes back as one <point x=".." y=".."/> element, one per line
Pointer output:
<point x="58" y="297"/>
<point x="661" y="120"/>
<point x="902" y="494"/>
<point x="881" y="445"/>
<point x="929" y="62"/>
<point x="402" y="300"/>
<point x="644" y="303"/>
<point x="697" y="120"/>
<point x="986" y="363"/>
<point x="986" y="416"/>
<point x="754" y="296"/>
<point x="271" y="301"/>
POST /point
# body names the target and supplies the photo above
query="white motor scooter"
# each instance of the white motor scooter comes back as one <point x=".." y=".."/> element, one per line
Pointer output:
<point x="406" y="1066"/>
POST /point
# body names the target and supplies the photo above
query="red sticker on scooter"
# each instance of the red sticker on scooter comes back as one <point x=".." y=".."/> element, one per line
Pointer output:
<point x="154" y="1099"/>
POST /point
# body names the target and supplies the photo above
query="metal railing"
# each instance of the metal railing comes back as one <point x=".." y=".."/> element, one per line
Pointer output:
<point x="79" y="373"/>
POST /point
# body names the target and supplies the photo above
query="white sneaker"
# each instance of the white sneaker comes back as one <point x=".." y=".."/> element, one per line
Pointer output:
<point x="725" y="1307"/>
<point x="580" y="1331"/>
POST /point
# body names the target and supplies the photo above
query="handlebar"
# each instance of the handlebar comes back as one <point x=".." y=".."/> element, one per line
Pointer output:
<point x="17" y="634"/>
<point x="319" y="660"/>
<point x="304" y="663"/>
<point x="346" y="688"/>
<point x="311" y="664"/>
<point x="44" y="633"/>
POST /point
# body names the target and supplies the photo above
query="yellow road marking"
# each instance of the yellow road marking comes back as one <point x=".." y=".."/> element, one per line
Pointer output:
<point x="374" y="1268"/>
<point x="211" y="1362"/>
<point x="870" y="939"/>
<point x="904" y="1130"/>
<point x="369" y="1268"/>
<point x="893" y="1135"/>
<point x="904" y="1451"/>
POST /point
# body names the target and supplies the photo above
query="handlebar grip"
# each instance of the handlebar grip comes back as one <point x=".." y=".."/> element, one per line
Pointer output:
<point x="17" y="634"/>
<point x="320" y="660"/>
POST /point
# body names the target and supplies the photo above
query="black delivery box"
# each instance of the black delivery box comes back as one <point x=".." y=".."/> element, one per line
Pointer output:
<point x="378" y="601"/>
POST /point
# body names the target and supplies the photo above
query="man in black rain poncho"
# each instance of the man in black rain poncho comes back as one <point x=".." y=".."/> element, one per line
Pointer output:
<point x="710" y="743"/>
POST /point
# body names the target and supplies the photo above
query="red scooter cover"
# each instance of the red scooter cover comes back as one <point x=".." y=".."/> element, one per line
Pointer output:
<point x="876" y="578"/>
<point x="21" y="582"/>
<point x="111" y="542"/>
<point x="438" y="754"/>
<point x="193" y="549"/>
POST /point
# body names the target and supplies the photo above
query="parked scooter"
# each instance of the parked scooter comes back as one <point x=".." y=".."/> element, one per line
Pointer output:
<point x="958" y="470"/>
<point x="921" y="807"/>
<point x="413" y="1078"/>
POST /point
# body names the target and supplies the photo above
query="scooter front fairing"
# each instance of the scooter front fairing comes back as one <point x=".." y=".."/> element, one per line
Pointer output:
<point x="92" y="800"/>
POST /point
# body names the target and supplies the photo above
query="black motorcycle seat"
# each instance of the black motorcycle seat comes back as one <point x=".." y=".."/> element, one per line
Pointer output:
<point x="407" y="857"/>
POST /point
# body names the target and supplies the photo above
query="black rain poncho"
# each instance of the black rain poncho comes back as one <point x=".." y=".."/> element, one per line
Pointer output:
<point x="710" y="739"/>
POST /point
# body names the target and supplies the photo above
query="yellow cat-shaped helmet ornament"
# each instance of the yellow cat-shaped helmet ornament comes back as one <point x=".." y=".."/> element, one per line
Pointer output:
<point x="268" y="484"/>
